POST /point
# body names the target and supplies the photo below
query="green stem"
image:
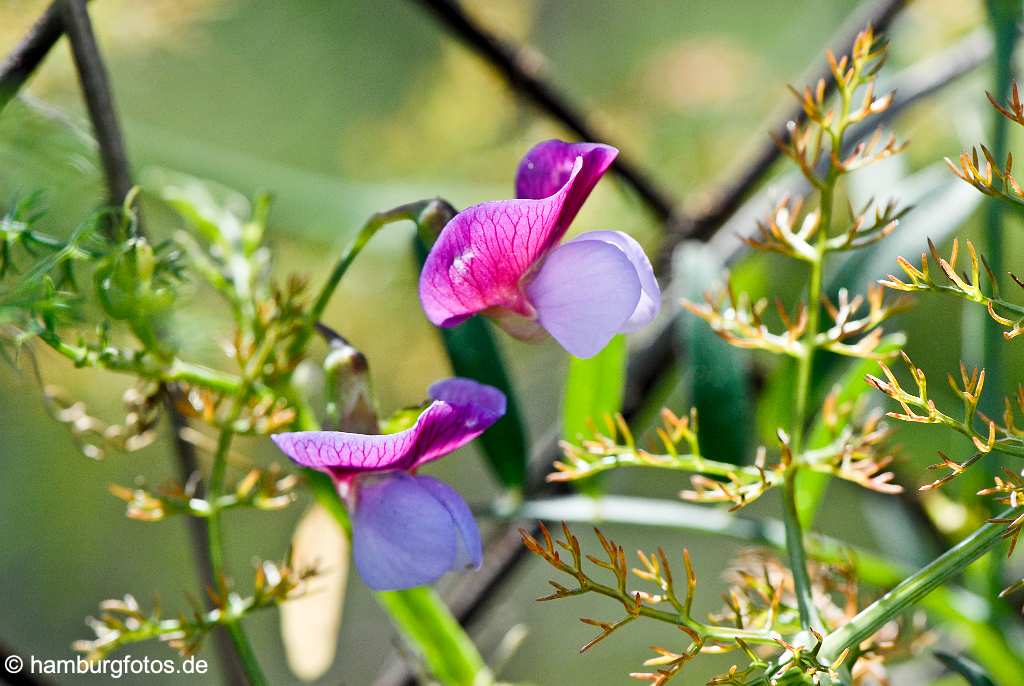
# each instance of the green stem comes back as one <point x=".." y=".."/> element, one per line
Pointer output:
<point x="216" y="545"/>
<point x="683" y="463"/>
<point x="915" y="587"/>
<point x="250" y="663"/>
<point x="722" y="633"/>
<point x="797" y="555"/>
<point x="374" y="224"/>
<point x="148" y="366"/>
<point x="425" y="622"/>
<point x="794" y="531"/>
<point x="806" y="362"/>
<point x="215" y="491"/>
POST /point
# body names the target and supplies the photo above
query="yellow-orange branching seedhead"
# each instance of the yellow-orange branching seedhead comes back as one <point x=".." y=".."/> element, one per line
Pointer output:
<point x="987" y="174"/>
<point x="987" y="434"/>
<point x="122" y="622"/>
<point x="782" y="614"/>
<point x="975" y="283"/>
<point x="967" y="284"/>
<point x="261" y="489"/>
<point x="760" y="610"/>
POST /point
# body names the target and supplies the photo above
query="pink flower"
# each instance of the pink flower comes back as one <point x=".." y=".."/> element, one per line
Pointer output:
<point x="503" y="259"/>
<point x="407" y="530"/>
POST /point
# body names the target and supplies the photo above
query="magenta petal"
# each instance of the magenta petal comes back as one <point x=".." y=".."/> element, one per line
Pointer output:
<point x="402" y="534"/>
<point x="344" y="453"/>
<point x="461" y="391"/>
<point x="650" y="296"/>
<point x="483" y="253"/>
<point x="469" y="553"/>
<point x="462" y="410"/>
<point x="471" y="409"/>
<point x="548" y="165"/>
<point x="584" y="294"/>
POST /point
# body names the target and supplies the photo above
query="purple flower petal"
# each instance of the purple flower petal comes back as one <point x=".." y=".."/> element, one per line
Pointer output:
<point x="343" y="453"/>
<point x="584" y="294"/>
<point x="483" y="253"/>
<point x="402" y="534"/>
<point x="441" y="428"/>
<point x="470" y="552"/>
<point x="473" y="408"/>
<point x="461" y="391"/>
<point x="650" y="296"/>
<point x="548" y="165"/>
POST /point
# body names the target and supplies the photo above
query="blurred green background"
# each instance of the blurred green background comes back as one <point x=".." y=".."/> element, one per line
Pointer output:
<point x="344" y="108"/>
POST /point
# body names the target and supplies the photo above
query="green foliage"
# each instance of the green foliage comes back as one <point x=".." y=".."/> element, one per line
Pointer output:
<point x="103" y="297"/>
<point x="426" y="622"/>
<point x="839" y="408"/>
<point x="718" y="384"/>
<point x="817" y="435"/>
<point x="132" y="280"/>
<point x="593" y="388"/>
<point x="134" y="291"/>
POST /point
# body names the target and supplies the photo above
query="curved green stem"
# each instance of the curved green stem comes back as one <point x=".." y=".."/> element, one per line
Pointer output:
<point x="148" y="366"/>
<point x="375" y="223"/>
<point x="915" y="587"/>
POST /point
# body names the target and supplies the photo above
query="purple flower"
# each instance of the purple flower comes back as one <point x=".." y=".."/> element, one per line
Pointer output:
<point x="407" y="530"/>
<point x="503" y="259"/>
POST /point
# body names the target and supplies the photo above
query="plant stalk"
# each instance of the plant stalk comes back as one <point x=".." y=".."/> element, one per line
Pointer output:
<point x="915" y="587"/>
<point x="374" y="224"/>
<point x="794" y="531"/>
<point x="215" y="491"/>
<point x="215" y="539"/>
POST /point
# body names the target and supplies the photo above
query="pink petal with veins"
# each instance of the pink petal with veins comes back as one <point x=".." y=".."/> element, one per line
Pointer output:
<point x="462" y="410"/>
<point x="482" y="255"/>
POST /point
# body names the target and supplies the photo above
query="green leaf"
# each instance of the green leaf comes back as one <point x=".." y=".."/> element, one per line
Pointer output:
<point x="593" y="389"/>
<point x="718" y="371"/>
<point x="971" y="672"/>
<point x="850" y="386"/>
<point x="426" y="622"/>
<point x="402" y="419"/>
<point x="775" y="403"/>
<point x="473" y="352"/>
